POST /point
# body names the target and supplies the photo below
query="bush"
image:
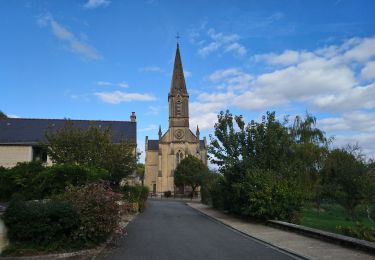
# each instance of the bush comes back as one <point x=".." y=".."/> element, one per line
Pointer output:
<point x="359" y="231"/>
<point x="34" y="181"/>
<point x="266" y="195"/>
<point x="53" y="180"/>
<point x="19" y="179"/>
<point x="136" y="194"/>
<point x="97" y="206"/>
<point x="41" y="224"/>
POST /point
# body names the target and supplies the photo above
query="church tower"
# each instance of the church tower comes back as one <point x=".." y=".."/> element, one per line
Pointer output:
<point x="178" y="98"/>
<point x="164" y="155"/>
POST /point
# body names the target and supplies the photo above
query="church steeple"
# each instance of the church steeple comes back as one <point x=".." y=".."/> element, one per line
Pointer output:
<point x="178" y="97"/>
<point x="178" y="80"/>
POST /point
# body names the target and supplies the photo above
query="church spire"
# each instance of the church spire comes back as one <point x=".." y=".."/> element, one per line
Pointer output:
<point x="178" y="85"/>
<point x="160" y="133"/>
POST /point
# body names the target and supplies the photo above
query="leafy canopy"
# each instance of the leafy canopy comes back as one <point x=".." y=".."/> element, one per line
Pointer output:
<point x="92" y="148"/>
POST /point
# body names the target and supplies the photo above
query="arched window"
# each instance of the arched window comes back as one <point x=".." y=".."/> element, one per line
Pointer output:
<point x="179" y="157"/>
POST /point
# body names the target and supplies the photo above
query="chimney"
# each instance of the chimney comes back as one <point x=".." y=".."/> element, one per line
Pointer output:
<point x="133" y="117"/>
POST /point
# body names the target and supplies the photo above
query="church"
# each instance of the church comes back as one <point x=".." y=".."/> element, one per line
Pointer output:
<point x="163" y="155"/>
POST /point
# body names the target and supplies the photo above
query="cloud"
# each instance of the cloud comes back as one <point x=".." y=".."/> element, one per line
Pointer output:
<point x="151" y="127"/>
<point x="150" y="69"/>
<point x="107" y="83"/>
<point x="91" y="4"/>
<point x="118" y="97"/>
<point x="218" y="41"/>
<point x="338" y="80"/>
<point x="103" y="83"/>
<point x="153" y="110"/>
<point x="368" y="72"/>
<point x="187" y="74"/>
<point x="71" y="42"/>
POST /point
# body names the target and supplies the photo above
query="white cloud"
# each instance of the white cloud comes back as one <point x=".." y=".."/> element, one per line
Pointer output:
<point x="107" y="83"/>
<point x="103" y="83"/>
<point x="187" y="74"/>
<point x="91" y="4"/>
<point x="13" y="116"/>
<point x="153" y="110"/>
<point x="122" y="85"/>
<point x="150" y="69"/>
<point x="218" y="41"/>
<point x="368" y="72"/>
<point x="151" y="127"/>
<point x="70" y="41"/>
<point x="117" y="97"/>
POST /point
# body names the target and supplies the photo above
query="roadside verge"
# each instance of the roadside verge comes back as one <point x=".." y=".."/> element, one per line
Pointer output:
<point x="296" y="244"/>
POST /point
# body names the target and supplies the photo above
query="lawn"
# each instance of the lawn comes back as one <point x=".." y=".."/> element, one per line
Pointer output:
<point x="331" y="216"/>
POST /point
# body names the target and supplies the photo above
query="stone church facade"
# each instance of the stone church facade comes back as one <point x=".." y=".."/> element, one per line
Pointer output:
<point x="163" y="155"/>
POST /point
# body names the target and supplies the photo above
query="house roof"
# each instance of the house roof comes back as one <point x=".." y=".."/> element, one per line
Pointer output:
<point x="154" y="145"/>
<point x="32" y="131"/>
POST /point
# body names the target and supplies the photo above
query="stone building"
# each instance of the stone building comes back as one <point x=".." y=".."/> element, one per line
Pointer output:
<point x="163" y="155"/>
<point x="20" y="137"/>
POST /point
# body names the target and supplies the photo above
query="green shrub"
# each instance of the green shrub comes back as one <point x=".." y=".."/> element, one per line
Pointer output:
<point x="53" y="180"/>
<point x="359" y="231"/>
<point x="18" y="180"/>
<point x="97" y="206"/>
<point x="34" y="181"/>
<point x="40" y="224"/>
<point x="266" y="195"/>
<point x="136" y="194"/>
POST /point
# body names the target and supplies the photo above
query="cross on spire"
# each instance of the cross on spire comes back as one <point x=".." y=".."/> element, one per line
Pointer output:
<point x="178" y="37"/>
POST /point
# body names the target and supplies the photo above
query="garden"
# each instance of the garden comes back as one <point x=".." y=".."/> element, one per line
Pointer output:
<point x="78" y="202"/>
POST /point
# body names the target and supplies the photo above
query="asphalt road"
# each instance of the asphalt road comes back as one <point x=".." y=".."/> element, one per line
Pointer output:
<point x="173" y="230"/>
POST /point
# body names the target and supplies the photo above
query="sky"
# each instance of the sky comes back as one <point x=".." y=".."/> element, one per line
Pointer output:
<point x="103" y="59"/>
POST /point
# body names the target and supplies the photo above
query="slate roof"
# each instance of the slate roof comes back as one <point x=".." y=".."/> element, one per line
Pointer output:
<point x="32" y="131"/>
<point x="154" y="145"/>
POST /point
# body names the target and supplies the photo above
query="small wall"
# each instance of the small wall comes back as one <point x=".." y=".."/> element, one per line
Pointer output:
<point x="10" y="155"/>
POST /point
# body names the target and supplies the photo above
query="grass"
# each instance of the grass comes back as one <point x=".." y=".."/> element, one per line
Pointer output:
<point x="331" y="216"/>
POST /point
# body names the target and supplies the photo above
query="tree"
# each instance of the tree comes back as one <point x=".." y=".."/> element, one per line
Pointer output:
<point x="2" y="115"/>
<point x="344" y="175"/>
<point x="191" y="171"/>
<point x="141" y="172"/>
<point x="369" y="189"/>
<point x="92" y="148"/>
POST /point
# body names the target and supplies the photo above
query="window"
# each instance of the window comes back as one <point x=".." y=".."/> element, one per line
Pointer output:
<point x="178" y="107"/>
<point x="179" y="157"/>
<point x="39" y="154"/>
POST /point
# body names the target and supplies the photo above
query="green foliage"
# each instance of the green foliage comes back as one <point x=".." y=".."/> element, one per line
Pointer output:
<point x="136" y="194"/>
<point x="266" y="165"/>
<point x="359" y="231"/>
<point x="344" y="176"/>
<point x="190" y="171"/>
<point x="34" y="181"/>
<point x="207" y="187"/>
<point x="2" y="115"/>
<point x="41" y="224"/>
<point x="98" y="210"/>
<point x="141" y="171"/>
<point x="266" y="195"/>
<point x="19" y="180"/>
<point x="92" y="148"/>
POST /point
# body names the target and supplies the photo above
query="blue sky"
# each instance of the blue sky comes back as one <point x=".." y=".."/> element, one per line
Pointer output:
<point x="103" y="59"/>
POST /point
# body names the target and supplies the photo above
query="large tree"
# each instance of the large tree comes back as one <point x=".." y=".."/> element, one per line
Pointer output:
<point x="344" y="176"/>
<point x="191" y="171"/>
<point x="92" y="147"/>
